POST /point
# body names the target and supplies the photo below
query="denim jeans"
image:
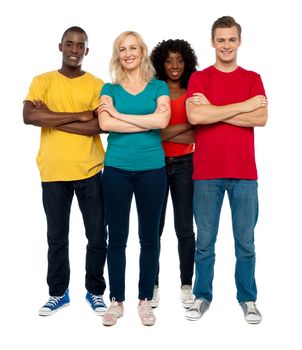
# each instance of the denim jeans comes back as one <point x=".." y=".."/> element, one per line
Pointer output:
<point x="179" y="172"/>
<point x="148" y="188"/>
<point x="243" y="199"/>
<point x="57" y="199"/>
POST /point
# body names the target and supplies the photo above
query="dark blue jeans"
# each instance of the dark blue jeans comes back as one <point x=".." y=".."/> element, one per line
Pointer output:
<point x="208" y="199"/>
<point x="148" y="188"/>
<point x="57" y="199"/>
<point x="179" y="177"/>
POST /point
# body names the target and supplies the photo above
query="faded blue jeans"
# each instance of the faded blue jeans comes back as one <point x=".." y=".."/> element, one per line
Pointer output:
<point x="207" y="203"/>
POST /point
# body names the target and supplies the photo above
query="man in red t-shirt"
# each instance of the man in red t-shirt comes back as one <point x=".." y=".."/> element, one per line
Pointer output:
<point x="233" y="103"/>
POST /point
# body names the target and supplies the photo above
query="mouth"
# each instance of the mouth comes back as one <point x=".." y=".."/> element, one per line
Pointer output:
<point x="73" y="58"/>
<point x="129" y="60"/>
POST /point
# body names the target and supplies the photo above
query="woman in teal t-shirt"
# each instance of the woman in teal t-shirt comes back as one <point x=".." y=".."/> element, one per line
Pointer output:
<point x="133" y="109"/>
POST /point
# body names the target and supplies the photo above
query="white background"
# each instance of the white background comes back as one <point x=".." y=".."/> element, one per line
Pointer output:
<point x="30" y="33"/>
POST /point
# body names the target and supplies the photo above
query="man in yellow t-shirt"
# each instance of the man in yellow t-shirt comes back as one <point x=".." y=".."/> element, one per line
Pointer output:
<point x="70" y="160"/>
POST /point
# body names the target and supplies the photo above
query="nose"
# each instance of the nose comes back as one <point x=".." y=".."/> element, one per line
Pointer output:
<point x="74" y="48"/>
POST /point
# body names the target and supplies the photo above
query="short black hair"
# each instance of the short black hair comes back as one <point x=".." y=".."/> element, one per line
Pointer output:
<point x="74" y="29"/>
<point x="161" y="52"/>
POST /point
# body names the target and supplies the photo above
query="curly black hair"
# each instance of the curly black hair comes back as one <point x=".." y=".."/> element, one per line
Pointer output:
<point x="161" y="52"/>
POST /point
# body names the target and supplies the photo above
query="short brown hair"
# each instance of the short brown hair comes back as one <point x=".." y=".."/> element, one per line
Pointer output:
<point x="225" y="22"/>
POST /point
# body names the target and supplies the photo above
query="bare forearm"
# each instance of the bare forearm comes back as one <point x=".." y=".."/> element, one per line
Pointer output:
<point x="173" y="130"/>
<point x="107" y="123"/>
<point x="250" y="119"/>
<point x="155" y="120"/>
<point x="37" y="113"/>
<point x="48" y="118"/>
<point x="88" y="128"/>
<point x="207" y="113"/>
<point x="210" y="114"/>
<point x="186" y="137"/>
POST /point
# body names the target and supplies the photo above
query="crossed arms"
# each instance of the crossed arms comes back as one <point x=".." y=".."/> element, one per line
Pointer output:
<point x="37" y="113"/>
<point x="249" y="113"/>
<point x="111" y="120"/>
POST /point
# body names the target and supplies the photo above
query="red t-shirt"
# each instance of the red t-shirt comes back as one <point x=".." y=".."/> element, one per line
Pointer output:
<point x="223" y="150"/>
<point x="178" y="116"/>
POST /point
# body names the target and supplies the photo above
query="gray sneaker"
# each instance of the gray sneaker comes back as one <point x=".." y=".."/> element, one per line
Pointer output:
<point x="251" y="313"/>
<point x="196" y="311"/>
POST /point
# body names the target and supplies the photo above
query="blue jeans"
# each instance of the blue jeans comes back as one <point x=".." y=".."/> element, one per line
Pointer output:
<point x="57" y="199"/>
<point x="148" y="188"/>
<point x="243" y="199"/>
<point x="179" y="172"/>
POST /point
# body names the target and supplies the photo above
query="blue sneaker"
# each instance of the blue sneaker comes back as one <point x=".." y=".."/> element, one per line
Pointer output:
<point x="54" y="304"/>
<point x="97" y="303"/>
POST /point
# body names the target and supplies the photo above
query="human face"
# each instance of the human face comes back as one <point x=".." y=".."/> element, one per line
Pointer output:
<point x="73" y="48"/>
<point x="226" y="42"/>
<point x="130" y="53"/>
<point x="174" y="66"/>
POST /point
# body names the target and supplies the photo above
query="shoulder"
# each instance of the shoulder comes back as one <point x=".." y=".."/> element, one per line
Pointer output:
<point x="248" y="73"/>
<point x="202" y="73"/>
<point x="160" y="86"/>
<point x="46" y="76"/>
<point x="93" y="78"/>
<point x="108" y="89"/>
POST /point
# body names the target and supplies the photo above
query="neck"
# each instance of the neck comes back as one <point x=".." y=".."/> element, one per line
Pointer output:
<point x="71" y="72"/>
<point x="226" y="67"/>
<point x="133" y="77"/>
<point x="175" y="89"/>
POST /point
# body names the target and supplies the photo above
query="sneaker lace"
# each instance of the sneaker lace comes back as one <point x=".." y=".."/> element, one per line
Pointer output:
<point x="97" y="300"/>
<point x="113" y="308"/>
<point x="187" y="294"/>
<point x="53" y="301"/>
<point x="145" y="309"/>
<point x="251" y="307"/>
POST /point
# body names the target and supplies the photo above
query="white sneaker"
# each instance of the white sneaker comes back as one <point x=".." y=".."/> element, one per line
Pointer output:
<point x="186" y="296"/>
<point x="251" y="313"/>
<point x="196" y="311"/>
<point x="155" y="299"/>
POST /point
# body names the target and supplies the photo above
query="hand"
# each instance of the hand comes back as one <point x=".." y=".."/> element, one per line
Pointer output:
<point x="198" y="99"/>
<point x="162" y="107"/>
<point x="254" y="103"/>
<point x="107" y="106"/>
<point x="39" y="104"/>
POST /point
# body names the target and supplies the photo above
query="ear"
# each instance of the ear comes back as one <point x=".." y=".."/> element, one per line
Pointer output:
<point x="212" y="43"/>
<point x="240" y="41"/>
<point x="86" y="52"/>
<point x="60" y="47"/>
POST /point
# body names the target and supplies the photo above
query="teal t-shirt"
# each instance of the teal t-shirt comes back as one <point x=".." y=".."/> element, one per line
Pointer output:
<point x="140" y="150"/>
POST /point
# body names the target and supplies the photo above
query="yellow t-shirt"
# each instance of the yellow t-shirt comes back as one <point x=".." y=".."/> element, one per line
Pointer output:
<point x="65" y="156"/>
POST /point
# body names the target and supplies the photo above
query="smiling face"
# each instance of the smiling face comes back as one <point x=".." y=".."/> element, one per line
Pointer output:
<point x="226" y="42"/>
<point x="74" y="48"/>
<point x="130" y="53"/>
<point x="174" y="66"/>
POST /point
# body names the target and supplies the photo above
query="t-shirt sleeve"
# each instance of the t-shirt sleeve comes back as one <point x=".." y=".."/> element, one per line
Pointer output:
<point x="107" y="90"/>
<point x="37" y="90"/>
<point x="257" y="87"/>
<point x="95" y="101"/>
<point x="162" y="89"/>
<point x="195" y="84"/>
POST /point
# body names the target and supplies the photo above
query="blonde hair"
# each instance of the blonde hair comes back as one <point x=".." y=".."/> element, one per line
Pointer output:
<point x="117" y="71"/>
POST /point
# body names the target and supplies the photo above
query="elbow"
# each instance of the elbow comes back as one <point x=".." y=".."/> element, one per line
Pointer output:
<point x="27" y="120"/>
<point x="164" y="122"/>
<point x="103" y="124"/>
<point x="263" y="120"/>
<point x="193" y="119"/>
